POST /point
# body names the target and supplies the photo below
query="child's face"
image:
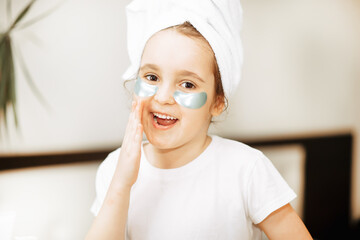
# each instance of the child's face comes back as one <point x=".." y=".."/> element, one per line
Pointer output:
<point x="172" y="61"/>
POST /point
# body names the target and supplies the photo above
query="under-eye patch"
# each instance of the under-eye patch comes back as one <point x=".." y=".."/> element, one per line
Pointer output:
<point x="142" y="89"/>
<point x="188" y="100"/>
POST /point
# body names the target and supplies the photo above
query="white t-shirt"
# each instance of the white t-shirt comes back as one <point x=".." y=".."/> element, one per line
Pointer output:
<point x="221" y="194"/>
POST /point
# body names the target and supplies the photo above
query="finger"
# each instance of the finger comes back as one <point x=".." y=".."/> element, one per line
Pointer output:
<point x="134" y="120"/>
<point x="139" y="110"/>
<point x="134" y="139"/>
<point x="133" y="105"/>
<point x="136" y="147"/>
<point x="130" y="123"/>
<point x="138" y="134"/>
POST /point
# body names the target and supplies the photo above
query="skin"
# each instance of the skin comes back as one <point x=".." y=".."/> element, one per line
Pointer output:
<point x="172" y="61"/>
<point x="284" y="223"/>
<point x="188" y="137"/>
<point x="110" y="222"/>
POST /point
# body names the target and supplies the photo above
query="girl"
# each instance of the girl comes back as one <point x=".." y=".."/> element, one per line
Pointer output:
<point x="183" y="183"/>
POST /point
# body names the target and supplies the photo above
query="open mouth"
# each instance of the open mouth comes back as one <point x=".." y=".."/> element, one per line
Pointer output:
<point x="164" y="120"/>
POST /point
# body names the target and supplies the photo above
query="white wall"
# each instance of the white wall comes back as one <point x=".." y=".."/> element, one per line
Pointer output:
<point x="300" y="70"/>
<point x="76" y="56"/>
<point x="300" y="76"/>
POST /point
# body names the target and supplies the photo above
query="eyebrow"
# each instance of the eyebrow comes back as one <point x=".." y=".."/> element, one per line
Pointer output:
<point x="192" y="74"/>
<point x="180" y="72"/>
<point x="149" y="65"/>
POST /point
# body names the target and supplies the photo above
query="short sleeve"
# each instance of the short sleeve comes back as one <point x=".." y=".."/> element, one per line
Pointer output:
<point x="267" y="190"/>
<point x="103" y="179"/>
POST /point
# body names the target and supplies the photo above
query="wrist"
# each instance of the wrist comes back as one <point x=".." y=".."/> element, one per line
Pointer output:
<point x="119" y="186"/>
<point x="117" y="194"/>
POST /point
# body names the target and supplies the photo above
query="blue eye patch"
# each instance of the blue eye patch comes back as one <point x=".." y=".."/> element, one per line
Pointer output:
<point x="142" y="89"/>
<point x="188" y="100"/>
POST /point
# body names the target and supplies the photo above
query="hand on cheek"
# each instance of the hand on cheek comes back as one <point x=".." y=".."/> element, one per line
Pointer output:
<point x="129" y="160"/>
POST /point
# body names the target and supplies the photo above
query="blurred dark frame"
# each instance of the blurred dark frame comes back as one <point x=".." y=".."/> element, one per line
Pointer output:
<point x="327" y="179"/>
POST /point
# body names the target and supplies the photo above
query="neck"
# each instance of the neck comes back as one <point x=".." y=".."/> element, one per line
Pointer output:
<point x="176" y="157"/>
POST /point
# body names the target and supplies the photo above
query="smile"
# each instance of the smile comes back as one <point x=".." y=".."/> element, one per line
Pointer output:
<point x="163" y="121"/>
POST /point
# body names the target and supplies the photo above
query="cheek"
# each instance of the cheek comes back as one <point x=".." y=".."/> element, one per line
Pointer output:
<point x="201" y="116"/>
<point x="197" y="118"/>
<point x="212" y="103"/>
<point x="146" y="106"/>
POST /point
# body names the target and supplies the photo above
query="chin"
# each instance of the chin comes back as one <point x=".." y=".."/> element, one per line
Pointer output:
<point x="162" y="142"/>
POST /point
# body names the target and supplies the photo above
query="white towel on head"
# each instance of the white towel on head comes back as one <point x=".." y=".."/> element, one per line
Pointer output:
<point x="219" y="21"/>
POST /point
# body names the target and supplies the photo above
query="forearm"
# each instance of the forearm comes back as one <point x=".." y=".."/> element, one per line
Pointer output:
<point x="110" y="223"/>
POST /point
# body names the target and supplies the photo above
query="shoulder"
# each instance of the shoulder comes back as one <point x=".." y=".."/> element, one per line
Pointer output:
<point x="235" y="150"/>
<point x="235" y="158"/>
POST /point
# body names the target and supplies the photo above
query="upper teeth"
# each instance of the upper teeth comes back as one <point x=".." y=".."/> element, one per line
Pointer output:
<point x="164" y="116"/>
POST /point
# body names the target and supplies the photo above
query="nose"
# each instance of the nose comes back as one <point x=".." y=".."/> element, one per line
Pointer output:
<point x="164" y="94"/>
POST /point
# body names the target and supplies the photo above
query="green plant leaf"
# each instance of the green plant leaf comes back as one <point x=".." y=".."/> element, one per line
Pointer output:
<point x="2" y="62"/>
<point x="7" y="68"/>
<point x="5" y="76"/>
<point x="29" y="79"/>
<point x="12" y="85"/>
<point x="2" y="83"/>
<point x="21" y="15"/>
<point x="7" y="83"/>
<point x="2" y="38"/>
<point x="3" y="72"/>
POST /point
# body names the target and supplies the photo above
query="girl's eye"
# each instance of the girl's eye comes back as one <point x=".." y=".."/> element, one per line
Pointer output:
<point x="151" y="77"/>
<point x="188" y="85"/>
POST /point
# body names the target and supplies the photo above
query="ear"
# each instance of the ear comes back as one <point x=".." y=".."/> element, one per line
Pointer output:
<point x="218" y="107"/>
